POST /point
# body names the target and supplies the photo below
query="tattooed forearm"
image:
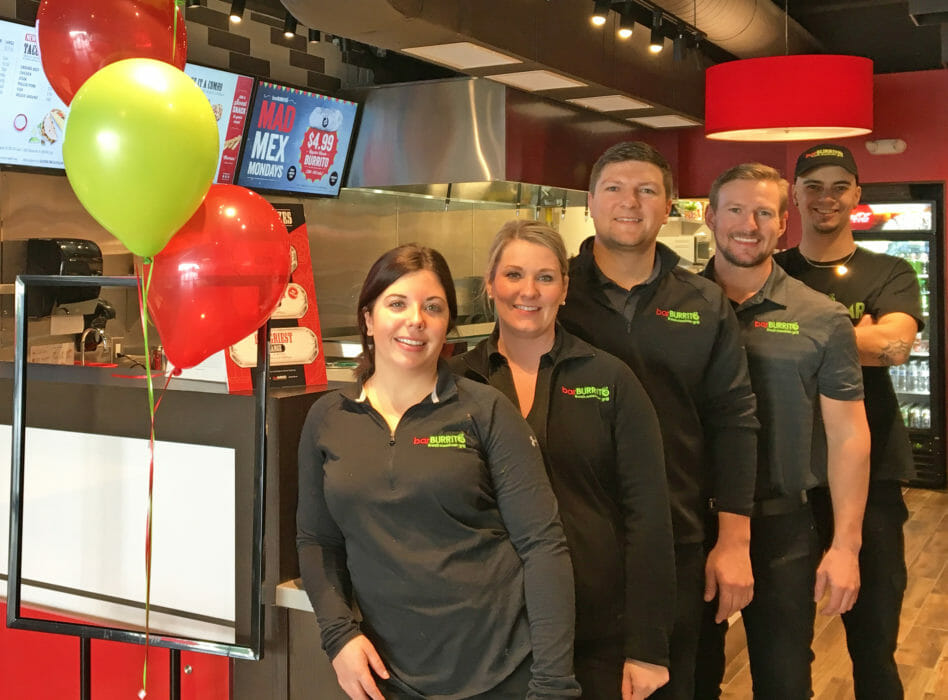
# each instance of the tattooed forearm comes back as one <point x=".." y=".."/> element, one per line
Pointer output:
<point x="894" y="353"/>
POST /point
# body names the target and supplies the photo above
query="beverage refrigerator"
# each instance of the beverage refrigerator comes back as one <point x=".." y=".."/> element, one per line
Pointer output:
<point x="907" y="221"/>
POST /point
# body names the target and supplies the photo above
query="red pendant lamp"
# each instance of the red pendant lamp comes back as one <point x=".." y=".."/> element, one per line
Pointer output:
<point x="789" y="98"/>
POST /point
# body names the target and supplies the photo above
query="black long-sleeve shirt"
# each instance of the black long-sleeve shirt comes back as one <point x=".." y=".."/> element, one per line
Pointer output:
<point x="445" y="532"/>
<point x="603" y="449"/>
<point x="684" y="345"/>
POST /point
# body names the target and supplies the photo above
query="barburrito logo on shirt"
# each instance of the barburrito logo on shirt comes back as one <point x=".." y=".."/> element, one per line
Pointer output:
<point x="856" y="310"/>
<point x="691" y="317"/>
<point x="790" y="327"/>
<point x="587" y="392"/>
<point x="443" y="440"/>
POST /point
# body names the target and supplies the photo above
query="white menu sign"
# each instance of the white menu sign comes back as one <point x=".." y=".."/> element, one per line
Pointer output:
<point x="32" y="117"/>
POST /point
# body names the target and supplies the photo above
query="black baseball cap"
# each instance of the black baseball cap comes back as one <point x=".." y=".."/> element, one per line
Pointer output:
<point x="826" y="154"/>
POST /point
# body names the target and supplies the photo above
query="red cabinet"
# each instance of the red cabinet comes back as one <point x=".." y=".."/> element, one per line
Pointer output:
<point x="42" y="666"/>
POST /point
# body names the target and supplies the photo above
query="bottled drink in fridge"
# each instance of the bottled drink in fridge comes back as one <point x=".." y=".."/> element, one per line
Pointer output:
<point x="915" y="416"/>
<point x="922" y="385"/>
<point x="911" y="378"/>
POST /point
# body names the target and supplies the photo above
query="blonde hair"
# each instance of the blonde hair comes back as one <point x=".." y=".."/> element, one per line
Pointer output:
<point x="528" y="230"/>
<point x="751" y="171"/>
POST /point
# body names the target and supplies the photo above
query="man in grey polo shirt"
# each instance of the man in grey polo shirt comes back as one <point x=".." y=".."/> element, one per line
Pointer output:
<point x="801" y="350"/>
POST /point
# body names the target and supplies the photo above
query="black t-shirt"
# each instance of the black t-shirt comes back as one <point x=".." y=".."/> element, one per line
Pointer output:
<point x="875" y="284"/>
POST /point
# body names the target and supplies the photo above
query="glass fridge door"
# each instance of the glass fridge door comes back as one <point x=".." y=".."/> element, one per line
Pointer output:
<point x="912" y="380"/>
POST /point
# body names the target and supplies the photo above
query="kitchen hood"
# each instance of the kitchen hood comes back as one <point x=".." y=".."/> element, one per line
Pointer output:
<point x="471" y="138"/>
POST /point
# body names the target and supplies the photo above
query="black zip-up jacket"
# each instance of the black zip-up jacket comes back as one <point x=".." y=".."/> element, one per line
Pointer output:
<point x="603" y="451"/>
<point x="446" y="533"/>
<point x="684" y="344"/>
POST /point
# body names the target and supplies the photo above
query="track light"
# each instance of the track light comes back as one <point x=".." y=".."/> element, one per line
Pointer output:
<point x="237" y="10"/>
<point x="679" y="46"/>
<point x="657" y="41"/>
<point x="600" y="12"/>
<point x="626" y="23"/>
<point x="289" y="26"/>
<point x="315" y="36"/>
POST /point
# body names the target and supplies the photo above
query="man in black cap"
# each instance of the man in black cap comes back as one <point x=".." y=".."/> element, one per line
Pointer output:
<point x="882" y="295"/>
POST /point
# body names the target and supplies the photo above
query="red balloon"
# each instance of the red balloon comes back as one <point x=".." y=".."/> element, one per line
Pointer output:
<point x="78" y="37"/>
<point x="221" y="275"/>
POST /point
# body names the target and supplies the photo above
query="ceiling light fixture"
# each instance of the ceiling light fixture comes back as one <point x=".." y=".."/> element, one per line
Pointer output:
<point x="461" y="55"/>
<point x="656" y="42"/>
<point x="315" y="36"/>
<point x="626" y="23"/>
<point x="600" y="12"/>
<point x="680" y="44"/>
<point x="237" y="10"/>
<point x="788" y="108"/>
<point x="289" y="26"/>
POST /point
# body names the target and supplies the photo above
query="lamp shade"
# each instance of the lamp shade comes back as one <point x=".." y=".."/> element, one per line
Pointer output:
<point x="789" y="98"/>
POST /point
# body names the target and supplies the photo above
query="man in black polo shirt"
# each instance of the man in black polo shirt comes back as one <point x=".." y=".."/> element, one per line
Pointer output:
<point x="628" y="296"/>
<point x="803" y="364"/>
<point x="882" y="295"/>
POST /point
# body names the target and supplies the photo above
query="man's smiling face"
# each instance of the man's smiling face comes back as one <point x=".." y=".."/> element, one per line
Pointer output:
<point x="629" y="205"/>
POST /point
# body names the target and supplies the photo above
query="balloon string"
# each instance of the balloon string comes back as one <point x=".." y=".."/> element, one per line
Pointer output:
<point x="175" y="4"/>
<point x="143" y="286"/>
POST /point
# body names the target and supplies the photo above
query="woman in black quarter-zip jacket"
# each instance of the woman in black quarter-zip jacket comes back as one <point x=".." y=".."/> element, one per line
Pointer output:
<point x="603" y="451"/>
<point x="423" y="499"/>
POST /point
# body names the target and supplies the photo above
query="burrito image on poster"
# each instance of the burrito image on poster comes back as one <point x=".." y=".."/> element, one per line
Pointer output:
<point x="325" y="119"/>
<point x="54" y="123"/>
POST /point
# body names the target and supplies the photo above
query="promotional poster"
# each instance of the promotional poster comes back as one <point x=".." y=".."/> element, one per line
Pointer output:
<point x="297" y="141"/>
<point x="296" y="355"/>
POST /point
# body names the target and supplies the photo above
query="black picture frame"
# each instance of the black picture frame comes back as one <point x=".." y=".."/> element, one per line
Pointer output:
<point x="249" y="621"/>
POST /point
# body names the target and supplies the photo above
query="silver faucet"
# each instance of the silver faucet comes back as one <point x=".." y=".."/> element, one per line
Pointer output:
<point x="100" y="337"/>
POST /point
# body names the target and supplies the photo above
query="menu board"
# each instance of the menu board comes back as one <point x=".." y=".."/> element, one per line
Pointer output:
<point x="892" y="216"/>
<point x="229" y="95"/>
<point x="297" y="141"/>
<point x="32" y="117"/>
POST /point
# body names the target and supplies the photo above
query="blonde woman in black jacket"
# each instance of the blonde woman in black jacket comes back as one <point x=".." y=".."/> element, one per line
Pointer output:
<point x="603" y="451"/>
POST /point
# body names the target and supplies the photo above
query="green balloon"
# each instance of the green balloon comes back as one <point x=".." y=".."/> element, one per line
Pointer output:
<point x="140" y="150"/>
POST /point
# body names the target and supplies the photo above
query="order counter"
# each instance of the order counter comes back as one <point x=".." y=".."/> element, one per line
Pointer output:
<point x="85" y="487"/>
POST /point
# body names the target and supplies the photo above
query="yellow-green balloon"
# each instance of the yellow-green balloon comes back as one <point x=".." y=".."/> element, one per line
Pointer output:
<point x="140" y="149"/>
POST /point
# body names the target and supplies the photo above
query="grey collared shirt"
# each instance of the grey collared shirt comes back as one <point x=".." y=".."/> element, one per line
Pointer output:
<point x="800" y="346"/>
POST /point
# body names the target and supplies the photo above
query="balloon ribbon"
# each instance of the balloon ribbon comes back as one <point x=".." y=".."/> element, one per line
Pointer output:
<point x="143" y="286"/>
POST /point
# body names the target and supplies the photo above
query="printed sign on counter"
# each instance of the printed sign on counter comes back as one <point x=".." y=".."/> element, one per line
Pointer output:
<point x="296" y="356"/>
<point x="32" y="117"/>
<point x="297" y="141"/>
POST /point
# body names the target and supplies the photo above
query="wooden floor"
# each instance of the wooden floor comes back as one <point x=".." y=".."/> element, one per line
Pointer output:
<point x="923" y="636"/>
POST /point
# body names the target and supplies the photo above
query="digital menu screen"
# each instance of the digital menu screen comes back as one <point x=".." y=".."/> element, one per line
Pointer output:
<point x="229" y="95"/>
<point x="892" y="216"/>
<point x="32" y="117"/>
<point x="297" y="141"/>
